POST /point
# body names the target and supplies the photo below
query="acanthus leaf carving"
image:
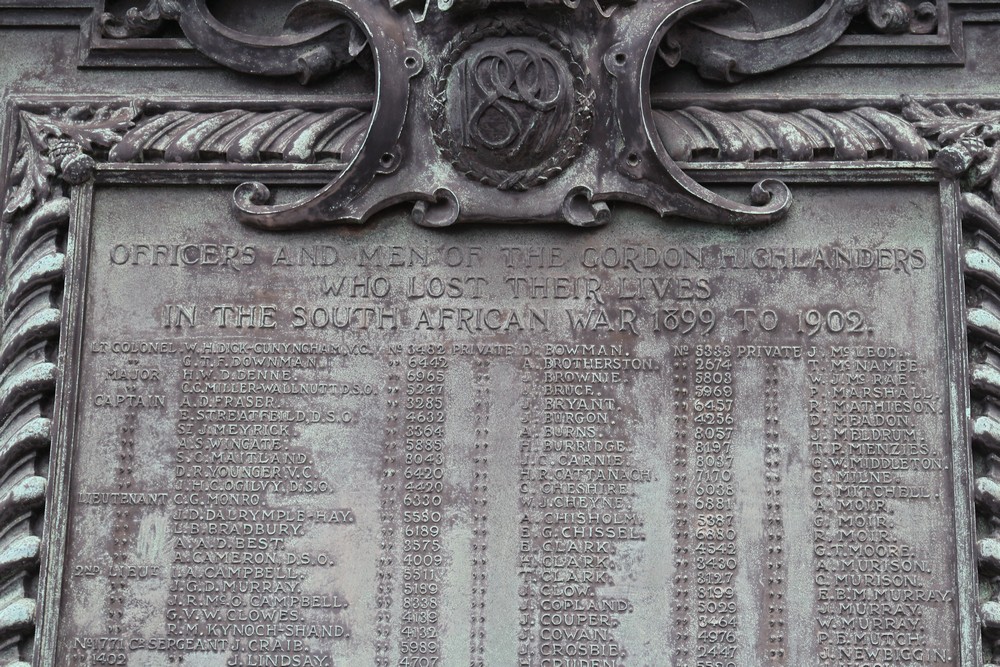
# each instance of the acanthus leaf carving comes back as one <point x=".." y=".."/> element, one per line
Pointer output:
<point x="898" y="17"/>
<point x="137" y="22"/>
<point x="314" y="42"/>
<point x="65" y="144"/>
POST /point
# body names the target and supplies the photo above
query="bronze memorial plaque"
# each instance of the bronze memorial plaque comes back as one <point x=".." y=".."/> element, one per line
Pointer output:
<point x="654" y="443"/>
<point x="499" y="333"/>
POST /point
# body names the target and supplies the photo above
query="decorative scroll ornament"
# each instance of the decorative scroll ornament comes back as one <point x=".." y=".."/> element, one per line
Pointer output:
<point x="485" y="115"/>
<point x="313" y="44"/>
<point x="729" y="54"/>
<point x="498" y="117"/>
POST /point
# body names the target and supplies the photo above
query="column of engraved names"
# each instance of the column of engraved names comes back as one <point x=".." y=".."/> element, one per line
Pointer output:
<point x="879" y="594"/>
<point x="580" y="479"/>
<point x="714" y="556"/>
<point x="241" y="576"/>
<point x="820" y="449"/>
<point x="423" y="499"/>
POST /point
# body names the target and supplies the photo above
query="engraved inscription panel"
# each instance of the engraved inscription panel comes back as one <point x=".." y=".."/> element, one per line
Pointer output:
<point x="650" y="444"/>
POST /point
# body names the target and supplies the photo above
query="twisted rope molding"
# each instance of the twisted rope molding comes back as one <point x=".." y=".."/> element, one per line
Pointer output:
<point x="969" y="151"/>
<point x="55" y="151"/>
<point x="60" y="149"/>
<point x="697" y="134"/>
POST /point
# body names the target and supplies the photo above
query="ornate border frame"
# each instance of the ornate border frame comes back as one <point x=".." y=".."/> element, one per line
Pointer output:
<point x="72" y="144"/>
<point x="48" y="175"/>
<point x="359" y="148"/>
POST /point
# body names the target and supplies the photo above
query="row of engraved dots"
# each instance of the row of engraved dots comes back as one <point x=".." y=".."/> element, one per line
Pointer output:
<point x="480" y="471"/>
<point x="528" y="583"/>
<point x="121" y="526"/>
<point x="387" y="518"/>
<point x="682" y="522"/>
<point x="773" y="519"/>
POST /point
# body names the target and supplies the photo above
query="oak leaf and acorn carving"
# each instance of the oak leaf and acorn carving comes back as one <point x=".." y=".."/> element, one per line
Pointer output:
<point x="65" y="144"/>
<point x="967" y="135"/>
<point x="61" y="144"/>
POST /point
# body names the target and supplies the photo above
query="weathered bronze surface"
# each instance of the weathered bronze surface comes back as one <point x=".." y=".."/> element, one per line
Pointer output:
<point x="650" y="444"/>
<point x="301" y="363"/>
